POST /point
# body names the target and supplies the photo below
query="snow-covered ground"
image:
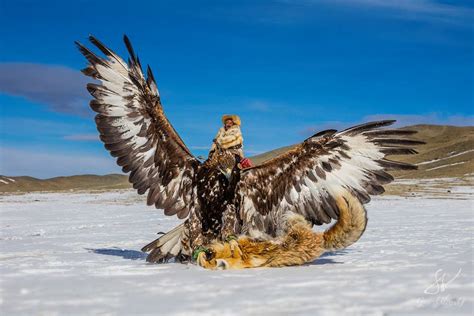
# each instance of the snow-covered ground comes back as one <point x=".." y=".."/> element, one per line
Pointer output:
<point x="79" y="253"/>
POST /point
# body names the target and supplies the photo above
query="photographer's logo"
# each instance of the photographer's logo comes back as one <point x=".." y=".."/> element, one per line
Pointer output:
<point x="437" y="291"/>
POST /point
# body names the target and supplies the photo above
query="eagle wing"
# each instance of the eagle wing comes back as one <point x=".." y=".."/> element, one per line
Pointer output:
<point x="135" y="130"/>
<point x="309" y="177"/>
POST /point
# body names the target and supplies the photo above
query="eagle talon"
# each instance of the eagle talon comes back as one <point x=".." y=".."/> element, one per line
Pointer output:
<point x="205" y="257"/>
<point x="230" y="237"/>
<point x="235" y="248"/>
<point x="201" y="260"/>
<point x="210" y="254"/>
<point x="198" y="251"/>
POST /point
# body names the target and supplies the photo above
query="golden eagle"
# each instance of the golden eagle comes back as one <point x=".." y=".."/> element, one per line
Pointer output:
<point x="316" y="180"/>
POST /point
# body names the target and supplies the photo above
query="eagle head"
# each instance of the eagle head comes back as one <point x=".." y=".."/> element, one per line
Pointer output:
<point x="224" y="161"/>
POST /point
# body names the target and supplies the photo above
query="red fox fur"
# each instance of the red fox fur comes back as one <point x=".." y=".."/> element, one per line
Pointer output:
<point x="298" y="246"/>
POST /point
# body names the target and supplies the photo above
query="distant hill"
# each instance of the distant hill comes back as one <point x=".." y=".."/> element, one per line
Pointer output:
<point x="449" y="152"/>
<point x="81" y="182"/>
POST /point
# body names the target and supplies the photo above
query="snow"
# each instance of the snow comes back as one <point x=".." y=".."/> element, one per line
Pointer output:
<point x="451" y="155"/>
<point x="79" y="253"/>
<point x="440" y="188"/>
<point x="444" y="166"/>
<point x="6" y="180"/>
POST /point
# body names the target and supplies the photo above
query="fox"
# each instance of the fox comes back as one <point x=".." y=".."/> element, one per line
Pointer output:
<point x="298" y="245"/>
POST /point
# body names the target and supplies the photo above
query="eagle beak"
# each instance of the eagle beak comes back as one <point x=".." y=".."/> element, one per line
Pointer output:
<point x="227" y="173"/>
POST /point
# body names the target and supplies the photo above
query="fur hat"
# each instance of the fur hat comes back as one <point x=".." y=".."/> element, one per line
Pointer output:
<point x="233" y="117"/>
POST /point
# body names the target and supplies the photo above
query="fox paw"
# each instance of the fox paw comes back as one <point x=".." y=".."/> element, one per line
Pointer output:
<point x="222" y="264"/>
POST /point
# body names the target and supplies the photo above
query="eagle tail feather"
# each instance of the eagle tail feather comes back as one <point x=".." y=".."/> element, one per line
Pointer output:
<point x="166" y="246"/>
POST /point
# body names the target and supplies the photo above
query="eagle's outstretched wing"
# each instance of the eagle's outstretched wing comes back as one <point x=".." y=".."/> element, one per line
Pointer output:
<point x="135" y="130"/>
<point x="308" y="178"/>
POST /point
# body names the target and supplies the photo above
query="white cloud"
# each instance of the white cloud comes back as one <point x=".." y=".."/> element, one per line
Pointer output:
<point x="432" y="118"/>
<point x="259" y="106"/>
<point x="298" y="11"/>
<point x="423" y="6"/>
<point x="416" y="9"/>
<point x="82" y="137"/>
<point x="200" y="147"/>
<point x="61" y="89"/>
<point x="402" y="120"/>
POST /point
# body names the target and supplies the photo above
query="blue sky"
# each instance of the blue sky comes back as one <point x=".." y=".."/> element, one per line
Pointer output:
<point x="288" y="68"/>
